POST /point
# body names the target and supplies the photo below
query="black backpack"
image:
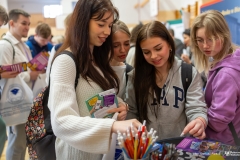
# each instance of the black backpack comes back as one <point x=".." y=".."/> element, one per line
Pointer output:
<point x="128" y="69"/>
<point x="186" y="75"/>
<point x="39" y="133"/>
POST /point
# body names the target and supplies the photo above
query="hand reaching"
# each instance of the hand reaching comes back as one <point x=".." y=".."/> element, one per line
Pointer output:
<point x="123" y="125"/>
<point x="185" y="58"/>
<point x="196" y="128"/>
<point x="122" y="109"/>
<point x="10" y="74"/>
<point x="34" y="75"/>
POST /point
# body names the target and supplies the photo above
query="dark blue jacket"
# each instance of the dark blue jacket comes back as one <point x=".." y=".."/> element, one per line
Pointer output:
<point x="35" y="48"/>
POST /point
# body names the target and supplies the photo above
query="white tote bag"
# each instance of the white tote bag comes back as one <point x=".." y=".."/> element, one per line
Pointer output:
<point x="16" y="101"/>
<point x="39" y="84"/>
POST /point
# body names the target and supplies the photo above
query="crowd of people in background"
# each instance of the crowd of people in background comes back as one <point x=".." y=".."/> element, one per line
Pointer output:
<point x="143" y="64"/>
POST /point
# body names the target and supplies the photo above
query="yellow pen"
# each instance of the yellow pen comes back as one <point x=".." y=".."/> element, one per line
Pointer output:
<point x="135" y="146"/>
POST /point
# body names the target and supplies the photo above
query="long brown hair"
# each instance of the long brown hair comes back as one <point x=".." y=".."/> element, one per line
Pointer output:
<point x="145" y="73"/>
<point x="77" y="38"/>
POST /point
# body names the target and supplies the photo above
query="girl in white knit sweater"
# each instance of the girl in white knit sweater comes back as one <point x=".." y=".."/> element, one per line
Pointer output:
<point x="88" y="37"/>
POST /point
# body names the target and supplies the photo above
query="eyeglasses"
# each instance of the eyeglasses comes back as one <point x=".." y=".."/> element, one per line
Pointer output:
<point x="209" y="41"/>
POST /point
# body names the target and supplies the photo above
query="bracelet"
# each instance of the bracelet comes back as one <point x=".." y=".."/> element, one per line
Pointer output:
<point x="202" y="122"/>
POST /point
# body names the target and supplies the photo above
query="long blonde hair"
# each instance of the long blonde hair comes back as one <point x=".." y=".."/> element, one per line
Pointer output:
<point x="215" y="26"/>
<point x="120" y="26"/>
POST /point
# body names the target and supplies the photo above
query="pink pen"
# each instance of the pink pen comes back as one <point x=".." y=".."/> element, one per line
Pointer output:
<point x="139" y="131"/>
<point x="144" y="126"/>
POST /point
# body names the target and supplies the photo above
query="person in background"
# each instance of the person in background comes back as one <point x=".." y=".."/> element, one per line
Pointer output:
<point x="3" y="21"/>
<point x="19" y="23"/>
<point x="155" y="91"/>
<point x="89" y="39"/>
<point x="121" y="46"/>
<point x="57" y="39"/>
<point x="3" y="16"/>
<point x="213" y="50"/>
<point x="178" y="44"/>
<point x="40" y="41"/>
<point x="187" y="56"/>
<point x="131" y="52"/>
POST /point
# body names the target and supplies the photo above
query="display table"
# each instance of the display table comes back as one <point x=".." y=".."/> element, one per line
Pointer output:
<point x="182" y="155"/>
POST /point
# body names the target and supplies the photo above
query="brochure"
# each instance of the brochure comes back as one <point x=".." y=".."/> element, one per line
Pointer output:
<point x="206" y="147"/>
<point x="99" y="104"/>
<point x="20" y="67"/>
<point x="39" y="62"/>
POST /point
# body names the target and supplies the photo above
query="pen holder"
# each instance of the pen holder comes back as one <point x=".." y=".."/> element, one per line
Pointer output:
<point x="126" y="158"/>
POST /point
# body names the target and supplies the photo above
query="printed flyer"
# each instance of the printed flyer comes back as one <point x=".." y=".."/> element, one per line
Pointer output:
<point x="206" y="147"/>
<point x="99" y="104"/>
<point x="39" y="62"/>
<point x="19" y="67"/>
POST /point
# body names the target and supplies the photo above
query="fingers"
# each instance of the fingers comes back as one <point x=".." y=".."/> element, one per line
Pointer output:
<point x="123" y="125"/>
<point x="136" y="124"/>
<point x="195" y="128"/>
<point x="196" y="131"/>
<point x="122" y="107"/>
<point x="188" y="128"/>
<point x="202" y="136"/>
<point x="122" y="115"/>
<point x="42" y="71"/>
<point x="116" y="110"/>
<point x="11" y="74"/>
<point x="14" y="72"/>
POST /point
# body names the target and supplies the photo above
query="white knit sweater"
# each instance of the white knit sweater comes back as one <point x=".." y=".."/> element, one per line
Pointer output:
<point x="79" y="137"/>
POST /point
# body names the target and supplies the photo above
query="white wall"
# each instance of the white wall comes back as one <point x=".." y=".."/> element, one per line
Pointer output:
<point x="129" y="14"/>
<point x="168" y="5"/>
<point x="30" y="7"/>
<point x="4" y="3"/>
<point x="67" y="6"/>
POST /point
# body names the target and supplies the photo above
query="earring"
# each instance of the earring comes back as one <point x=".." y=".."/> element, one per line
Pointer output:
<point x="170" y="50"/>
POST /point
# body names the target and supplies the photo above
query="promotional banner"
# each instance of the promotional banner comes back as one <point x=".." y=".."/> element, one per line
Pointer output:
<point x="231" y="11"/>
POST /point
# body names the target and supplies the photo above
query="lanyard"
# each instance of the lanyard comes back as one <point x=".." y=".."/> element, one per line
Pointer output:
<point x="33" y="82"/>
<point x="25" y="51"/>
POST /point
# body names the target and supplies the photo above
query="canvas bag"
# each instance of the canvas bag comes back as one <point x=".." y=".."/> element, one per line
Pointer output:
<point x="39" y="84"/>
<point x="16" y="99"/>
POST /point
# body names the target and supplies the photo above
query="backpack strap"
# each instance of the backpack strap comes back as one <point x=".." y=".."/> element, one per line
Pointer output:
<point x="11" y="45"/>
<point x="75" y="61"/>
<point x="46" y="112"/>
<point x="234" y="134"/>
<point x="128" y="69"/>
<point x="186" y="74"/>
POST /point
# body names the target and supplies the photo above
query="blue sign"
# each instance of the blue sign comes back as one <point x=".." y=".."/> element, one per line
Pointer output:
<point x="231" y="11"/>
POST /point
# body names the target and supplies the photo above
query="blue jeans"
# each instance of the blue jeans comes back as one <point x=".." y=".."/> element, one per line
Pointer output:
<point x="16" y="148"/>
<point x="3" y="135"/>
